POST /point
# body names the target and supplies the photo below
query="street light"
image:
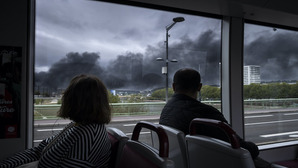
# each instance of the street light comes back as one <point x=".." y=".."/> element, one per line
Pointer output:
<point x="165" y="69"/>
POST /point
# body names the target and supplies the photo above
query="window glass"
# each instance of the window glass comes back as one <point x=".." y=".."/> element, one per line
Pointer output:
<point x="270" y="84"/>
<point x="125" y="47"/>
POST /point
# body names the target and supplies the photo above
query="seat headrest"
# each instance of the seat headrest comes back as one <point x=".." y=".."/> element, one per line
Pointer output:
<point x="162" y="136"/>
<point x="230" y="133"/>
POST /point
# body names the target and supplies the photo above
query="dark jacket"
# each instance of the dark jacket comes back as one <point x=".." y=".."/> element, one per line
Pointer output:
<point x="182" y="109"/>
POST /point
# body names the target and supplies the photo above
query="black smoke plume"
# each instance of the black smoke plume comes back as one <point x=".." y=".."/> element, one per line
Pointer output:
<point x="277" y="54"/>
<point x="62" y="71"/>
<point x="139" y="71"/>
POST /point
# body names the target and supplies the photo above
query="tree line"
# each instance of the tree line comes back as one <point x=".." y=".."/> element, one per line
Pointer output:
<point x="270" y="91"/>
<point x="252" y="91"/>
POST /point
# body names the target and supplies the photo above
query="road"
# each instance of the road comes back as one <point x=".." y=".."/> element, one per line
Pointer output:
<point x="271" y="126"/>
<point x="261" y="127"/>
<point x="46" y="128"/>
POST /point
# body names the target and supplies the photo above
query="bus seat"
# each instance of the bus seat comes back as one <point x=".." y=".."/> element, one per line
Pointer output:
<point x="288" y="163"/>
<point x="118" y="140"/>
<point x="140" y="155"/>
<point x="177" y="146"/>
<point x="208" y="152"/>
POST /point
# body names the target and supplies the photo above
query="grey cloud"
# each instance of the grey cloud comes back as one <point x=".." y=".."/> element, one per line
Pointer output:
<point x="62" y="71"/>
<point x="276" y="54"/>
<point x="47" y="56"/>
<point x="64" y="10"/>
<point x="138" y="70"/>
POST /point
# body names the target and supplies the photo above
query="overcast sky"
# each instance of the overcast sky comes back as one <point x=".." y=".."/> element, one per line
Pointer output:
<point x="64" y="26"/>
<point x="107" y="38"/>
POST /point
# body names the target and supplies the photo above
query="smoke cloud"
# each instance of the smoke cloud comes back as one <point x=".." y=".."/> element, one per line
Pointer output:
<point x="141" y="71"/>
<point x="61" y="72"/>
<point x="276" y="54"/>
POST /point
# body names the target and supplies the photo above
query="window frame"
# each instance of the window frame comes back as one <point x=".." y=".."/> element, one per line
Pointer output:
<point x="231" y="73"/>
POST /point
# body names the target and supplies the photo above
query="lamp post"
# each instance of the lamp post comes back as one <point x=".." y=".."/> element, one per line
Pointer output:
<point x="165" y="69"/>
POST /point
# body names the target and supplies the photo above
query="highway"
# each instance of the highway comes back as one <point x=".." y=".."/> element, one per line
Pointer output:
<point x="271" y="126"/>
<point x="47" y="128"/>
<point x="261" y="127"/>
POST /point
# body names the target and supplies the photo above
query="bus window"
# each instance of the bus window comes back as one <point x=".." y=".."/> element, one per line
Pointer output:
<point x="125" y="47"/>
<point x="270" y="84"/>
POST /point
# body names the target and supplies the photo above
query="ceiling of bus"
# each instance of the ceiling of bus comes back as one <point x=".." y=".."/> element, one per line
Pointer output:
<point x="284" y="12"/>
<point x="289" y="6"/>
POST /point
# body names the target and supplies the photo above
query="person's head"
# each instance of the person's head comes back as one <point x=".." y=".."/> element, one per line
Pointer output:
<point x="85" y="101"/>
<point x="187" y="81"/>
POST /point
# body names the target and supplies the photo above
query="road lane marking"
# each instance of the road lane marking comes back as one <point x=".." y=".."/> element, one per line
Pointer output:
<point x="257" y="116"/>
<point x="37" y="141"/>
<point x="271" y="122"/>
<point x="56" y="123"/>
<point x="279" y="134"/>
<point x="291" y="114"/>
<point x="140" y="133"/>
<point x="54" y="129"/>
<point x="129" y="125"/>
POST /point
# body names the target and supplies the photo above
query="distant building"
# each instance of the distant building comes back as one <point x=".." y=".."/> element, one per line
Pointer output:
<point x="251" y="74"/>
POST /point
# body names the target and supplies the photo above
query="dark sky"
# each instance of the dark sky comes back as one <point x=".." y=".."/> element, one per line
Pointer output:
<point x="120" y="44"/>
<point x="64" y="26"/>
<point x="276" y="52"/>
<point x="138" y="70"/>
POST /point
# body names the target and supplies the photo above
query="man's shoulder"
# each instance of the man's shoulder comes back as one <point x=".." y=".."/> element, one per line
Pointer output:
<point x="182" y="101"/>
<point x="206" y="106"/>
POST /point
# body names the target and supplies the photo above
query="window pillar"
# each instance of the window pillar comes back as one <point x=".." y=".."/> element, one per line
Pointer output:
<point x="232" y="72"/>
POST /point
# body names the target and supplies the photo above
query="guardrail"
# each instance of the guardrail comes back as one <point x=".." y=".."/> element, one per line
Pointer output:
<point x="118" y="109"/>
<point x="270" y="103"/>
<point x="155" y="108"/>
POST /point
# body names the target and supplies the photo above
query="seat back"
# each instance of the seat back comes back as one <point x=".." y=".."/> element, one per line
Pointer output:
<point x="118" y="140"/>
<point x="177" y="146"/>
<point x="140" y="155"/>
<point x="209" y="152"/>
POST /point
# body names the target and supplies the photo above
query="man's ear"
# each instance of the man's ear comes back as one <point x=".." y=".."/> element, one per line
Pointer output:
<point x="200" y="87"/>
<point x="174" y="87"/>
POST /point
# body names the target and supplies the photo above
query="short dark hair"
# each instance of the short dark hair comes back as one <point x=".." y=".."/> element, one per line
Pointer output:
<point x="187" y="80"/>
<point x="85" y="101"/>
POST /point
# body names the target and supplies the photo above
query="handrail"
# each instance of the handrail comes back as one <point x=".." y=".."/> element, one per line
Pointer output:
<point x="162" y="136"/>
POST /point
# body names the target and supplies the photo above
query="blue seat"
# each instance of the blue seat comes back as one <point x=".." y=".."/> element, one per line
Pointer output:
<point x="209" y="152"/>
<point x="140" y="155"/>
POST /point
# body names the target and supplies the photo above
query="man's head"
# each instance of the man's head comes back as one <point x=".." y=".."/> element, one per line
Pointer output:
<point x="187" y="81"/>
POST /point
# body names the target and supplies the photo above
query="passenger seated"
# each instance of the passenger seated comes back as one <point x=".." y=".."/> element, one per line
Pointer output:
<point x="82" y="143"/>
<point x="183" y="107"/>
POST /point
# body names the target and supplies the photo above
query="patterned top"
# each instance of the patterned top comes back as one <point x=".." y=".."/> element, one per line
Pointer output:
<point x="75" y="146"/>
